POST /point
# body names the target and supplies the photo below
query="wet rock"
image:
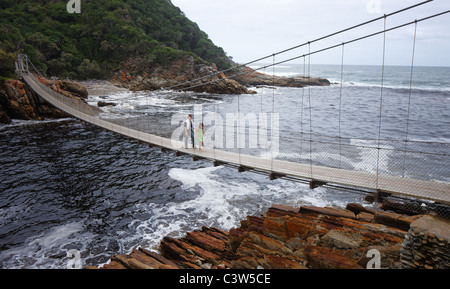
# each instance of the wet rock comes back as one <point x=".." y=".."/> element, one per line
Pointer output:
<point x="105" y="103"/>
<point x="305" y="237"/>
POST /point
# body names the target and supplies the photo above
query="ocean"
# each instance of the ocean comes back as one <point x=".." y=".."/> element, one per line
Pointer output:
<point x="67" y="186"/>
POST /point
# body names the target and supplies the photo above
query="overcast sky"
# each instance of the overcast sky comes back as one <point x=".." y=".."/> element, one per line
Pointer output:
<point x="250" y="29"/>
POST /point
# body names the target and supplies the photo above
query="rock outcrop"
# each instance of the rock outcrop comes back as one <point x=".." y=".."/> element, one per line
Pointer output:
<point x="427" y="244"/>
<point x="306" y="237"/>
<point x="249" y="77"/>
<point x="135" y="77"/>
<point x="235" y="81"/>
<point x="67" y="88"/>
<point x="18" y="101"/>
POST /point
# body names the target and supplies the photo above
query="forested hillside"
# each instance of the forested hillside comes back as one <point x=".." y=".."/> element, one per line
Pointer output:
<point x="96" y="42"/>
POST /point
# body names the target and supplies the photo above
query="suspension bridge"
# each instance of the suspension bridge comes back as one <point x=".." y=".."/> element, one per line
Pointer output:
<point x="315" y="175"/>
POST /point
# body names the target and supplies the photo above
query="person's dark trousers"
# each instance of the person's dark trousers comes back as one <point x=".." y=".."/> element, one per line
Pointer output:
<point x="192" y="138"/>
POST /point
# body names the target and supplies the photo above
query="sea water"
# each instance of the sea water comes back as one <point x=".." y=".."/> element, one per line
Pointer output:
<point x="67" y="185"/>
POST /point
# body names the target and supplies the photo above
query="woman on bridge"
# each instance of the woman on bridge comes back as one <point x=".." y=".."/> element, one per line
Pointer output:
<point x="200" y="134"/>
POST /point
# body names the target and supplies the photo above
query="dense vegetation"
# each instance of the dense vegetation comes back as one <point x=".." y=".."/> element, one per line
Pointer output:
<point x="97" y="41"/>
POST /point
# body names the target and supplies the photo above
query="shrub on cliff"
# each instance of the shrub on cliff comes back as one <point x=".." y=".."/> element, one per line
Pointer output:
<point x="6" y="63"/>
<point x="105" y="34"/>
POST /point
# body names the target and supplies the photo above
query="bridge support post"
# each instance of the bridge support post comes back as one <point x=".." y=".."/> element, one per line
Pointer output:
<point x="242" y="169"/>
<point x="217" y="163"/>
<point x="315" y="183"/>
<point x="274" y="176"/>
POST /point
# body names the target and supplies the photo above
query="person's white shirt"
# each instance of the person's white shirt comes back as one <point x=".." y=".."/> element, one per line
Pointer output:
<point x="188" y="124"/>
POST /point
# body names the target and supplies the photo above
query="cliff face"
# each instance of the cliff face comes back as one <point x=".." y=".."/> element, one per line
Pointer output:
<point x="18" y="101"/>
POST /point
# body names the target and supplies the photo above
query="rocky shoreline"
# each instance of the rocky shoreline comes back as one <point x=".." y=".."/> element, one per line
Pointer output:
<point x="210" y="80"/>
<point x="249" y="77"/>
<point x="18" y="101"/>
<point x="305" y="238"/>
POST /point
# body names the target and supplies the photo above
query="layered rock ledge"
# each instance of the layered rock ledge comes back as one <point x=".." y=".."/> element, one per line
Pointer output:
<point x="302" y="238"/>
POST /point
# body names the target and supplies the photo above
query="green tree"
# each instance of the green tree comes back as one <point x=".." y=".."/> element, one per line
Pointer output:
<point x="7" y="60"/>
<point x="105" y="35"/>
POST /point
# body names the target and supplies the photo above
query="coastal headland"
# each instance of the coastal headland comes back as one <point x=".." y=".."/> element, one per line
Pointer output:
<point x="304" y="238"/>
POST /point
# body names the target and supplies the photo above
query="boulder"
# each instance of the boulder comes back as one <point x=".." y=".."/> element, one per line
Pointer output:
<point x="105" y="103"/>
<point x="74" y="88"/>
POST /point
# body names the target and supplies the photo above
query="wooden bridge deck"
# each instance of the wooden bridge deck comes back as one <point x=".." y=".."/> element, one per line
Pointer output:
<point x="436" y="191"/>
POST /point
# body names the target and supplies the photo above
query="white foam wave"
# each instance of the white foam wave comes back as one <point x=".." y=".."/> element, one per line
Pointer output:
<point x="22" y="123"/>
<point x="372" y="158"/>
<point x="48" y="249"/>
<point x="222" y="202"/>
<point x="130" y="101"/>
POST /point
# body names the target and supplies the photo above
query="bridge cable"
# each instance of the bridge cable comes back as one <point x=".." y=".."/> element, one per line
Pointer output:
<point x="323" y="49"/>
<point x="301" y="110"/>
<point x="300" y="45"/>
<point x="272" y="122"/>
<point x="381" y="102"/>
<point x="310" y="111"/>
<point x="215" y="130"/>
<point x="340" y="107"/>
<point x="239" y="129"/>
<point x="261" y="119"/>
<point x="409" y="97"/>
